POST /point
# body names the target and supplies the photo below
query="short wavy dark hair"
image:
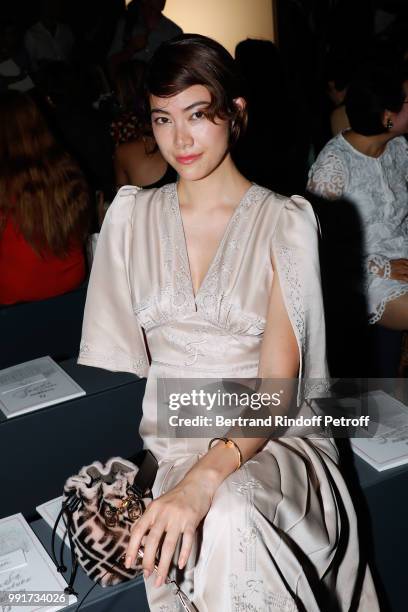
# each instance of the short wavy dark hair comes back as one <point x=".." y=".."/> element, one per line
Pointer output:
<point x="192" y="59"/>
<point x="374" y="89"/>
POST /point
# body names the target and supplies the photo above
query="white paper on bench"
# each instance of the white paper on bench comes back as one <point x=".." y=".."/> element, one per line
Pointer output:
<point x="388" y="448"/>
<point x="37" y="574"/>
<point x="33" y="385"/>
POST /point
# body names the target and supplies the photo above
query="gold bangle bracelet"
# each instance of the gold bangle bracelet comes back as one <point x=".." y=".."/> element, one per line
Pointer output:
<point x="229" y="444"/>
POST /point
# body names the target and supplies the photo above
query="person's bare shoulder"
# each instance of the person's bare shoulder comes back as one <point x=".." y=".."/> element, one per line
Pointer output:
<point x="339" y="120"/>
<point x="142" y="165"/>
<point x="127" y="149"/>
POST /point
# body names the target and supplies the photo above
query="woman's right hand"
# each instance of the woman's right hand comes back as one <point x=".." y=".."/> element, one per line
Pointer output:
<point x="399" y="270"/>
<point x="175" y="514"/>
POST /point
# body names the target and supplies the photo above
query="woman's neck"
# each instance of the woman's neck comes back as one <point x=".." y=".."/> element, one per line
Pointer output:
<point x="372" y="146"/>
<point x="225" y="185"/>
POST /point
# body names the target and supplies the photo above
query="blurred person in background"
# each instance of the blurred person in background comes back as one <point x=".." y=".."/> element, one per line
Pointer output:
<point x="77" y="125"/>
<point x="337" y="79"/>
<point x="49" y="39"/>
<point x="14" y="61"/>
<point x="137" y="159"/>
<point x="130" y="117"/>
<point x="44" y="207"/>
<point x="367" y="166"/>
<point x="141" y="32"/>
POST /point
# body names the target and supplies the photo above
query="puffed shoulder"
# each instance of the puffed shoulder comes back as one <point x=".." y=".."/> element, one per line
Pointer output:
<point x="299" y="203"/>
<point x="122" y="207"/>
<point x="127" y="199"/>
<point x="297" y="224"/>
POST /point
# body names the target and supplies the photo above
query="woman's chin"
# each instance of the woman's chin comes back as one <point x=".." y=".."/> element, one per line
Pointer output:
<point x="197" y="172"/>
<point x="189" y="173"/>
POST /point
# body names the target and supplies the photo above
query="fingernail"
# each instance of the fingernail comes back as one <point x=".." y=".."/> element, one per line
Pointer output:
<point x="181" y="562"/>
<point x="146" y="573"/>
<point x="128" y="562"/>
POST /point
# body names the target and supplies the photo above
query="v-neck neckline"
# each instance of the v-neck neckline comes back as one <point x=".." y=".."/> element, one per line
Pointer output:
<point x="221" y="243"/>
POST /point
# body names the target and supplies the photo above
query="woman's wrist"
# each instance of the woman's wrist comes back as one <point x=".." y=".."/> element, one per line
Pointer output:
<point x="214" y="467"/>
<point x="208" y="477"/>
<point x="221" y="461"/>
<point x="229" y="444"/>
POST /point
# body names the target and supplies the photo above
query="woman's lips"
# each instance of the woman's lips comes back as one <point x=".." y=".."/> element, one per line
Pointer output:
<point x="187" y="159"/>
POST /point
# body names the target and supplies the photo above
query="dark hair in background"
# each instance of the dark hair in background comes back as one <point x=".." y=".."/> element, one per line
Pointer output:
<point x="248" y="53"/>
<point x="374" y="89"/>
<point x="132" y="17"/>
<point x="268" y="153"/>
<point x="130" y="90"/>
<point x="339" y="70"/>
<point x="192" y="59"/>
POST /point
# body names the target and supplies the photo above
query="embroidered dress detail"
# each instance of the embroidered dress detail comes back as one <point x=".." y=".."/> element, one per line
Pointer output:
<point x="330" y="177"/>
<point x="295" y="302"/>
<point x="253" y="596"/>
<point x="378" y="190"/>
<point x="208" y="295"/>
<point x="117" y="359"/>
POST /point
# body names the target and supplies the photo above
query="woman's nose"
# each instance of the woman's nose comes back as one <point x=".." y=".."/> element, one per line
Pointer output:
<point x="183" y="137"/>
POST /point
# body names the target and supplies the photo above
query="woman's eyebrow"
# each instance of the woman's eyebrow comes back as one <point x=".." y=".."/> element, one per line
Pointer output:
<point x="189" y="107"/>
<point x="196" y="104"/>
<point x="158" y="110"/>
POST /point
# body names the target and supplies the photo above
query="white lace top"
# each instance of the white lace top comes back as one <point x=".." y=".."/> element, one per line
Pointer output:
<point x="378" y="189"/>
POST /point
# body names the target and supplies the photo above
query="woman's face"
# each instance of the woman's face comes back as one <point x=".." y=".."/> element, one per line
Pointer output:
<point x="400" y="119"/>
<point x="187" y="139"/>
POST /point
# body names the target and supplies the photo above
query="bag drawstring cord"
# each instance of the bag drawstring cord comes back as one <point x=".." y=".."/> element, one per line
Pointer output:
<point x="61" y="568"/>
<point x="74" y="560"/>
<point x="68" y="506"/>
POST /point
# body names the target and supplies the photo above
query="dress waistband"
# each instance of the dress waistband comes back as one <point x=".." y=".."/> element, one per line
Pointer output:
<point x="237" y="369"/>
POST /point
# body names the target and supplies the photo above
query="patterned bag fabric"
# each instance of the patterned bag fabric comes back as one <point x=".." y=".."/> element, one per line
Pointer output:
<point x="100" y="506"/>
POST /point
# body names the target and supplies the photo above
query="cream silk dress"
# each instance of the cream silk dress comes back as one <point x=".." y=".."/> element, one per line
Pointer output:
<point x="281" y="533"/>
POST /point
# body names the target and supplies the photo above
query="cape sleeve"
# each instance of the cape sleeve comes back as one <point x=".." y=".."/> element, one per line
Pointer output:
<point x="111" y="335"/>
<point x="295" y="251"/>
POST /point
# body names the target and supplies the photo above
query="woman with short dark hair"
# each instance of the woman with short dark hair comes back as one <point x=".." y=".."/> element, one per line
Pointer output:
<point x="221" y="277"/>
<point x="368" y="167"/>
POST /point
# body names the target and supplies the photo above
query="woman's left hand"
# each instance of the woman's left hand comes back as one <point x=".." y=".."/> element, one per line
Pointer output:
<point x="177" y="512"/>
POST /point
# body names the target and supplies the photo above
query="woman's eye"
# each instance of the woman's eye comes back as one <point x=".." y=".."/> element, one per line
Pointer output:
<point x="198" y="115"/>
<point x="161" y="120"/>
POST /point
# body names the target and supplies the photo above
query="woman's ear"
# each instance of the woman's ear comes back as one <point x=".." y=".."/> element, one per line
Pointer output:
<point x="239" y="120"/>
<point x="240" y="103"/>
<point x="388" y="120"/>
